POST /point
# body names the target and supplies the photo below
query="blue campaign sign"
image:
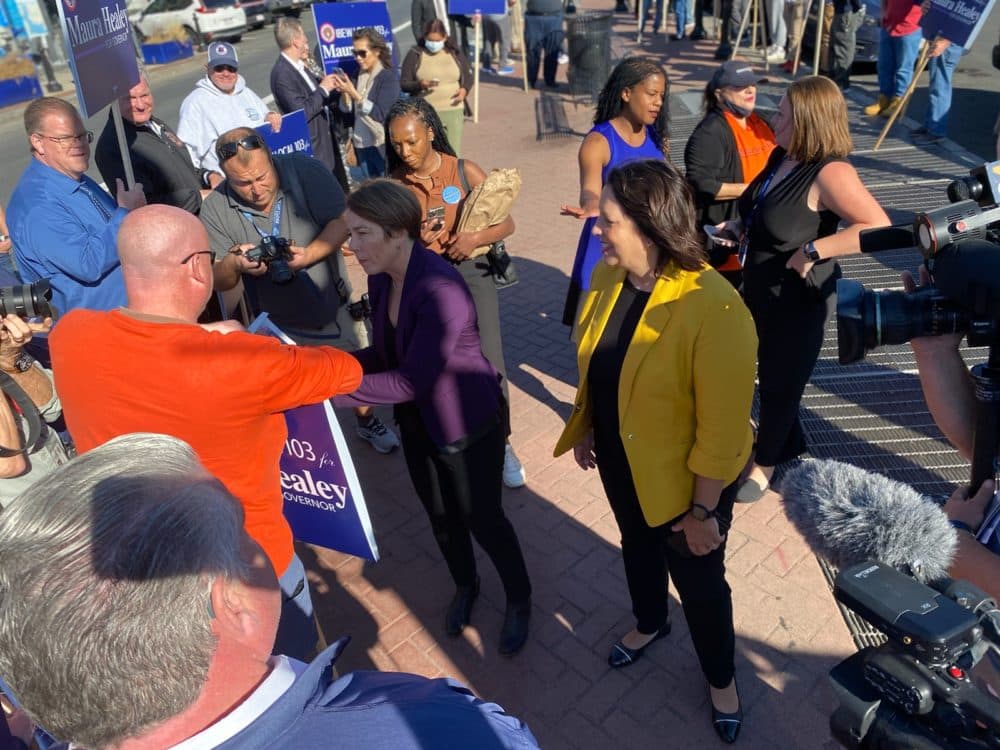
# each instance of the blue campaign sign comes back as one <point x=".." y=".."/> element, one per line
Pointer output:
<point x="335" y="25"/>
<point x="101" y="54"/>
<point x="471" y="7"/>
<point x="958" y="21"/>
<point x="293" y="138"/>
<point x="324" y="503"/>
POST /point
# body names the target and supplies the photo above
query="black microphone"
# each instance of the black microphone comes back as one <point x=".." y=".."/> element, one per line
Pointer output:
<point x="898" y="237"/>
<point x="849" y="515"/>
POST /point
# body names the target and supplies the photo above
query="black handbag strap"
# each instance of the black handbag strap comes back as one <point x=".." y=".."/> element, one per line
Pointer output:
<point x="28" y="410"/>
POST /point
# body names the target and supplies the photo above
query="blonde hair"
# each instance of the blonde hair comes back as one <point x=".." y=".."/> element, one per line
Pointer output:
<point x="819" y="120"/>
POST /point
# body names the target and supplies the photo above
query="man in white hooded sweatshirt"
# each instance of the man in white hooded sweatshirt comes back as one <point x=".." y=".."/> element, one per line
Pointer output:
<point x="220" y="102"/>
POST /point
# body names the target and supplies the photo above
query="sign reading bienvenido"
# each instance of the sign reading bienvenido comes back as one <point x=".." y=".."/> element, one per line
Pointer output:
<point x="958" y="21"/>
<point x="101" y="53"/>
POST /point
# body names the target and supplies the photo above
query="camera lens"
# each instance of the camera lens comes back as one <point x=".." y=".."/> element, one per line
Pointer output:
<point x="965" y="189"/>
<point x="27" y="300"/>
<point x="280" y="271"/>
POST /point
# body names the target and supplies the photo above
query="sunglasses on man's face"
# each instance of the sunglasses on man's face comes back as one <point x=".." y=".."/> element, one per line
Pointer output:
<point x="361" y="54"/>
<point x="227" y="151"/>
<point x="224" y="69"/>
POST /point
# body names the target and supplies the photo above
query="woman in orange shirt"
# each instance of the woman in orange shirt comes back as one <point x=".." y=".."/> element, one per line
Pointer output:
<point x="727" y="149"/>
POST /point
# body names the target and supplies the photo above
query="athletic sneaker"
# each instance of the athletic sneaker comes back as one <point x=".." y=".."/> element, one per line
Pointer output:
<point x="775" y="54"/>
<point x="381" y="437"/>
<point x="513" y="472"/>
<point x="563" y="58"/>
<point x="506" y="70"/>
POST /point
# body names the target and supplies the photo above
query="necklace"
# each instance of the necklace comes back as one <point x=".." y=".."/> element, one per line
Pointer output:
<point x="436" y="168"/>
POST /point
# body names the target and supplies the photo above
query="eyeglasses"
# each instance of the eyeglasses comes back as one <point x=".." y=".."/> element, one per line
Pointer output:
<point x="209" y="253"/>
<point x="227" y="151"/>
<point x="361" y="54"/>
<point x="64" y="140"/>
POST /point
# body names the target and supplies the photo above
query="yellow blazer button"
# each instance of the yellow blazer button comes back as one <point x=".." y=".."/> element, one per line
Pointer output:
<point x="630" y="436"/>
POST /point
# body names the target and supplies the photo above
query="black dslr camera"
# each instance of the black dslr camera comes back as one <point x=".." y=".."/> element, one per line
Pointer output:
<point x="914" y="691"/>
<point x="274" y="252"/>
<point x="27" y="300"/>
<point x="959" y="245"/>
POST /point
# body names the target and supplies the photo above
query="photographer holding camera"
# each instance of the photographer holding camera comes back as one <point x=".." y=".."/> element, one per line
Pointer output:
<point x="29" y="396"/>
<point x="277" y="223"/>
<point x="949" y="390"/>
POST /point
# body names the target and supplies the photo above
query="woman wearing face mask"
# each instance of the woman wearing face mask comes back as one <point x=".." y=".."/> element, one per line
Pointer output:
<point x="727" y="149"/>
<point x="368" y="97"/>
<point x="438" y="72"/>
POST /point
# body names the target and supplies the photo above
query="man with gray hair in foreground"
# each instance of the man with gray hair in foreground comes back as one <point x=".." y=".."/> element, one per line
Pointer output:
<point x="135" y="612"/>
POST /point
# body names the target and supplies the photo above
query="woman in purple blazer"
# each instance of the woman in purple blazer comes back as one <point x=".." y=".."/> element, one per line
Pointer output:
<point x="428" y="361"/>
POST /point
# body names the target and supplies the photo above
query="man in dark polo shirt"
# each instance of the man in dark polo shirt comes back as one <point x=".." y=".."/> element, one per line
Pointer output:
<point x="296" y="198"/>
<point x="160" y="160"/>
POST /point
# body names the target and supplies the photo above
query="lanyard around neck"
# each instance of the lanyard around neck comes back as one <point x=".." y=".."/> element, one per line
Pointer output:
<point x="275" y="219"/>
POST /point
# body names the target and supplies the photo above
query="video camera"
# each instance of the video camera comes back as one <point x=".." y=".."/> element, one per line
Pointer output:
<point x="274" y="252"/>
<point x="958" y="242"/>
<point x="914" y="691"/>
<point x="27" y="300"/>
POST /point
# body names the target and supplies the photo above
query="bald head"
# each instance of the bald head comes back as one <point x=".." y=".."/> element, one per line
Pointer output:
<point x="165" y="261"/>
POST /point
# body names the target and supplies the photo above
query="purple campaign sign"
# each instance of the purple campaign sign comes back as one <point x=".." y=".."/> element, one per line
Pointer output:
<point x="324" y="504"/>
<point x="471" y="7"/>
<point x="958" y="21"/>
<point x="293" y="138"/>
<point x="101" y="54"/>
<point x="335" y="25"/>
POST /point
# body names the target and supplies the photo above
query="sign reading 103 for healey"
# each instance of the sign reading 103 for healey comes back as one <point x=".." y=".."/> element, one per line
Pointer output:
<point x="958" y="21"/>
<point x="335" y="26"/>
<point x="101" y="52"/>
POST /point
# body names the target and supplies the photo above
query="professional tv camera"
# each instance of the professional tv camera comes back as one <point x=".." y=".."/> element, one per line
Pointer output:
<point x="914" y="691"/>
<point x="27" y="300"/>
<point x="959" y="248"/>
<point x="274" y="252"/>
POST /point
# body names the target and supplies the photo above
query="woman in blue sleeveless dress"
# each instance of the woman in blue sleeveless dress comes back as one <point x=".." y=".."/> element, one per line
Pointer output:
<point x="630" y="124"/>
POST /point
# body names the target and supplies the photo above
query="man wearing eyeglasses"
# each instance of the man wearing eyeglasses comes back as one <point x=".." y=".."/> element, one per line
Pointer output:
<point x="160" y="160"/>
<point x="297" y="198"/>
<point x="159" y="371"/>
<point x="64" y="224"/>
<point x="220" y="101"/>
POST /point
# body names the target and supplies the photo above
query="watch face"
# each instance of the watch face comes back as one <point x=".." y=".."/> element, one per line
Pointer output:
<point x="699" y="513"/>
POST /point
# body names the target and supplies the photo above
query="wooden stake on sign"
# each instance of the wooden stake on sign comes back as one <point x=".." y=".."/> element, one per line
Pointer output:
<point x="743" y="27"/>
<point x="477" y="24"/>
<point x="516" y="10"/>
<point x="802" y="33"/>
<point x="818" y="44"/>
<point x="123" y="147"/>
<point x="925" y="56"/>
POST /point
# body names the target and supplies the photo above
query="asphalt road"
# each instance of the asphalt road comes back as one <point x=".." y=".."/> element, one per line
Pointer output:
<point x="171" y="83"/>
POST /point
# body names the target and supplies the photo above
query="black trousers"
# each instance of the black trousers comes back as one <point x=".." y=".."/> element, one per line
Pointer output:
<point x="790" y="335"/>
<point x="476" y="272"/>
<point x="651" y="554"/>
<point x="461" y="492"/>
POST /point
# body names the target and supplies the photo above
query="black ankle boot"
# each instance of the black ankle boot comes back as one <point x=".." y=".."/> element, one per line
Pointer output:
<point x="460" y="609"/>
<point x="514" y="633"/>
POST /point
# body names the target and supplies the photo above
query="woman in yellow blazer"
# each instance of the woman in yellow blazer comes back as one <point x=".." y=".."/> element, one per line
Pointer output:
<point x="667" y="355"/>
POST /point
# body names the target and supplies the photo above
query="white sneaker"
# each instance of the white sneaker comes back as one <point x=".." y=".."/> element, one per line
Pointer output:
<point x="775" y="54"/>
<point x="563" y="60"/>
<point x="381" y="437"/>
<point x="513" y="472"/>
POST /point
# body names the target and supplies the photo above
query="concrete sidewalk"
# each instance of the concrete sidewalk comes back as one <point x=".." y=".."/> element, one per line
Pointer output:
<point x="789" y="630"/>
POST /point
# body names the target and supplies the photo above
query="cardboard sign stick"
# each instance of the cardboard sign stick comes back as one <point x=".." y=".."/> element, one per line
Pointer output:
<point x="818" y="45"/>
<point x="925" y="56"/>
<point x="123" y="147"/>
<point x="520" y="33"/>
<point x="802" y="33"/>
<point x="477" y="47"/>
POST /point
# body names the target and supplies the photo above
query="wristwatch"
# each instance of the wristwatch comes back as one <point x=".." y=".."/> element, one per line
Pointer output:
<point x="700" y="513"/>
<point x="810" y="251"/>
<point x="22" y="363"/>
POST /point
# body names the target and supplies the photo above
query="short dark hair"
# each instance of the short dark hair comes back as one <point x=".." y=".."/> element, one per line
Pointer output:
<point x="243" y="156"/>
<point x="389" y="204"/>
<point x="658" y="199"/>
<point x="627" y="74"/>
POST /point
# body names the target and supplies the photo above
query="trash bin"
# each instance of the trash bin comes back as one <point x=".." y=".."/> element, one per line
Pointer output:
<point x="589" y="42"/>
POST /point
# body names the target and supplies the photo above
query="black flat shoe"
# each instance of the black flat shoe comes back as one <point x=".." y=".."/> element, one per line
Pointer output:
<point x="621" y="655"/>
<point x="460" y="609"/>
<point x="514" y="632"/>
<point x="727" y="726"/>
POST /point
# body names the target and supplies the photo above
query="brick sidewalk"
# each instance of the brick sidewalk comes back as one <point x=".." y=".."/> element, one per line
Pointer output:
<point x="789" y="630"/>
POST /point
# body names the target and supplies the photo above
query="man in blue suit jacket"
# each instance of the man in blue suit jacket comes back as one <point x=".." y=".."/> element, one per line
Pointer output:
<point x="296" y="86"/>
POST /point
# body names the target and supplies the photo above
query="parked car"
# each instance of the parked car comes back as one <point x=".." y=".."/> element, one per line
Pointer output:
<point x="201" y="20"/>
<point x="292" y="8"/>
<point x="866" y="45"/>
<point x="258" y="12"/>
